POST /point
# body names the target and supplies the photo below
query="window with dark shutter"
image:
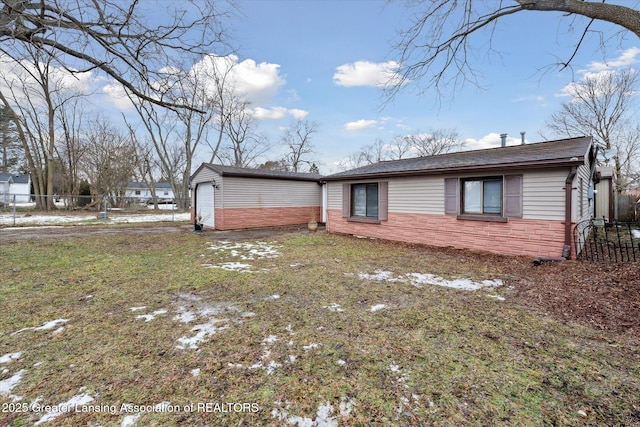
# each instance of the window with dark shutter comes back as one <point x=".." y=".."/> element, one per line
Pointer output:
<point x="451" y="196"/>
<point x="383" y="200"/>
<point x="346" y="200"/>
<point x="513" y="196"/>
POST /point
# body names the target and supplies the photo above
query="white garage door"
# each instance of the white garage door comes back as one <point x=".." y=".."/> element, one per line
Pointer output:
<point x="204" y="204"/>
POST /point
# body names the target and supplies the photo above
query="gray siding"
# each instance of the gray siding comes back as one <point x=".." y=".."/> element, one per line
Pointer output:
<point x="270" y="193"/>
<point x="543" y="195"/>
<point x="207" y="175"/>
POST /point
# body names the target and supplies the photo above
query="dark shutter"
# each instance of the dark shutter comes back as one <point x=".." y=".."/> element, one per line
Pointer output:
<point x="513" y="196"/>
<point x="451" y="196"/>
<point x="383" y="200"/>
<point x="346" y="200"/>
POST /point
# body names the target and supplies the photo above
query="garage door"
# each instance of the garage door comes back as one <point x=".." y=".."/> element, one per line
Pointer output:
<point x="204" y="204"/>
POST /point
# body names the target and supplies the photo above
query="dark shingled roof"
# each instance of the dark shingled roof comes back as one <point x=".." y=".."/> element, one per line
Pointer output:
<point x="261" y="173"/>
<point x="542" y="154"/>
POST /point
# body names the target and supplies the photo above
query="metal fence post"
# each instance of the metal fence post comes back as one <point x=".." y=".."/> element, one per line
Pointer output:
<point x="14" y="210"/>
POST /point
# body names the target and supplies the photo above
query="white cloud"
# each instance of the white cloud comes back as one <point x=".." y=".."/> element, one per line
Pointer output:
<point x="277" y="113"/>
<point x="117" y="96"/>
<point x="491" y="140"/>
<point x="360" y="125"/>
<point x="17" y="76"/>
<point x="365" y="73"/>
<point x="258" y="82"/>
<point x="596" y="70"/>
<point x="626" y="59"/>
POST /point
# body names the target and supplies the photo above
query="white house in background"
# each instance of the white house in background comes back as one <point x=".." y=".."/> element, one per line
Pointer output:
<point x="18" y="185"/>
<point x="139" y="192"/>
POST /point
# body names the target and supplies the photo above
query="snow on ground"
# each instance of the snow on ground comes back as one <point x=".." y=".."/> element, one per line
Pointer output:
<point x="326" y="415"/>
<point x="8" y="384"/>
<point x="420" y="279"/>
<point x="333" y="307"/>
<point x="149" y="317"/>
<point x="21" y="219"/>
<point x="66" y="407"/>
<point x="245" y="251"/>
<point x="231" y="266"/>
<point x="10" y="357"/>
<point x="46" y="326"/>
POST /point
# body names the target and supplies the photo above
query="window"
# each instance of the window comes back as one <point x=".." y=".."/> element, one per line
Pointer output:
<point x="482" y="196"/>
<point x="364" y="200"/>
<point x="494" y="198"/>
<point x="137" y="192"/>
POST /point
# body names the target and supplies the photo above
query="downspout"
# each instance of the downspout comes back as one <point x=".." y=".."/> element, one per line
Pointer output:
<point x="566" y="251"/>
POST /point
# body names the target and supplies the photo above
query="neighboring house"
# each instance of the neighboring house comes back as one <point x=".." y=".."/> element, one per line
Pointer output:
<point x="18" y="185"/>
<point x="139" y="192"/>
<point x="227" y="197"/>
<point x="517" y="200"/>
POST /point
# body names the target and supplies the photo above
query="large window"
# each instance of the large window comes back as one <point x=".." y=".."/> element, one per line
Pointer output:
<point x="364" y="200"/>
<point x="482" y="196"/>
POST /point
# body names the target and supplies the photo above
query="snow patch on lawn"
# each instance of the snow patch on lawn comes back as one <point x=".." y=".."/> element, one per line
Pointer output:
<point x="7" y="385"/>
<point x="377" y="307"/>
<point x="325" y="416"/>
<point x="150" y="317"/>
<point x="334" y="307"/>
<point x="46" y="326"/>
<point x="66" y="407"/>
<point x="10" y="357"/>
<point x="247" y="251"/>
<point x="231" y="266"/>
<point x="420" y="279"/>
<point x="130" y="420"/>
<point x="203" y="332"/>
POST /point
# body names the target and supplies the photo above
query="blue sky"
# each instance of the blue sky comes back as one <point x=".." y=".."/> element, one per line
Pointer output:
<point x="309" y="42"/>
<point x="323" y="61"/>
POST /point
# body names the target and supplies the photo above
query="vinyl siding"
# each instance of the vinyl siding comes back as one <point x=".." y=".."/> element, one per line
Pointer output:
<point x="584" y="172"/>
<point x="269" y="193"/>
<point x="207" y="175"/>
<point x="543" y="195"/>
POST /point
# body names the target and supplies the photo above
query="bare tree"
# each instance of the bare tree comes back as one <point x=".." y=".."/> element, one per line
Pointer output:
<point x="134" y="42"/>
<point x="439" y="45"/>
<point x="110" y="160"/>
<point x="71" y="149"/>
<point x="245" y="145"/>
<point x="437" y="141"/>
<point x="399" y="148"/>
<point x="33" y="91"/>
<point x="10" y="147"/>
<point x="601" y="106"/>
<point x="298" y="140"/>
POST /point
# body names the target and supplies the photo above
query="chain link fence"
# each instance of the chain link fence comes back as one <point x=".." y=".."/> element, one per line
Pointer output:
<point x="17" y="209"/>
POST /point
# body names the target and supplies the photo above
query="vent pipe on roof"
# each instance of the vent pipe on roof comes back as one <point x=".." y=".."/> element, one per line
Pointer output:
<point x="522" y="135"/>
<point x="503" y="139"/>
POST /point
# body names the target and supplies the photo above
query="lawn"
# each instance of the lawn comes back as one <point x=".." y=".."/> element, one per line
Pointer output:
<point x="302" y="329"/>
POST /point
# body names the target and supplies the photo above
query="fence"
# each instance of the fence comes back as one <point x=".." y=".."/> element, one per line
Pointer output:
<point x="627" y="208"/>
<point x="22" y="209"/>
<point x="599" y="241"/>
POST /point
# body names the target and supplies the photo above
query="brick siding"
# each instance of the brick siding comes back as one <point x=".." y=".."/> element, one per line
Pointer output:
<point x="235" y="218"/>
<point x="530" y="237"/>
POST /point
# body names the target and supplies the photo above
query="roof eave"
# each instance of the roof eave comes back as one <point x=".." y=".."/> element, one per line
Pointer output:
<point x="481" y="168"/>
